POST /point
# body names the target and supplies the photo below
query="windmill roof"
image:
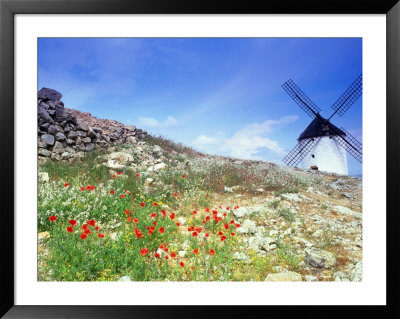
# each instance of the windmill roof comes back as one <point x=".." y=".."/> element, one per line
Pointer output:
<point x="315" y="129"/>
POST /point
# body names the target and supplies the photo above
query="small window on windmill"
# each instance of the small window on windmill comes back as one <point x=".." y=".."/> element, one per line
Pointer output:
<point x="312" y="155"/>
<point x="325" y="128"/>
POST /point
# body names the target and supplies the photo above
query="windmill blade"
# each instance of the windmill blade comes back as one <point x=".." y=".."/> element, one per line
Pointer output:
<point x="349" y="96"/>
<point x="350" y="144"/>
<point x="295" y="156"/>
<point x="300" y="98"/>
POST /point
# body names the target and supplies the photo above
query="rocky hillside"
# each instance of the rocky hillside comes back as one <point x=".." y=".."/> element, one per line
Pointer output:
<point x="295" y="225"/>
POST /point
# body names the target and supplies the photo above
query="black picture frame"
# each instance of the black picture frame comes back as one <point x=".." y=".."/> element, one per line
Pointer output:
<point x="9" y="8"/>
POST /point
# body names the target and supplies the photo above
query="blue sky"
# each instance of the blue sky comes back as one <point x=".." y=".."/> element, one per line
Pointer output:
<point x="219" y="95"/>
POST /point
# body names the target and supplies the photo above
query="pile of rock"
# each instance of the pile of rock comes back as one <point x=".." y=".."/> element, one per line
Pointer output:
<point x="65" y="135"/>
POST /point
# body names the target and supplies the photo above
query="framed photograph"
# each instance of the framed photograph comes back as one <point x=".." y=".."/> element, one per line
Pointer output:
<point x="175" y="154"/>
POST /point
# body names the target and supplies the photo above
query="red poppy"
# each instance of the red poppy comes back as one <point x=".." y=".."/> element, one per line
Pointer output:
<point x="199" y="229"/>
<point x="112" y="192"/>
<point x="212" y="252"/>
<point x="66" y="184"/>
<point x="166" y="257"/>
<point x="207" y="218"/>
<point x="83" y="236"/>
<point x="84" y="226"/>
<point x="142" y="204"/>
<point x="178" y="224"/>
<point x="220" y="233"/>
<point x="207" y="210"/>
<point x="224" y="214"/>
<point x="153" y="215"/>
<point x="152" y="228"/>
<point x="91" y="222"/>
<point x="166" y="249"/>
<point x="219" y="206"/>
<point x="97" y="228"/>
<point x="223" y="238"/>
<point x="226" y="226"/>
<point x="127" y="211"/>
<point x="137" y="174"/>
<point x="70" y="229"/>
<point x="72" y="222"/>
<point x="215" y="212"/>
<point x="193" y="267"/>
<point x="119" y="173"/>
<point x="155" y="204"/>
<point x="194" y="234"/>
<point x="87" y="231"/>
<point x="172" y="216"/>
<point x="227" y="208"/>
<point x="122" y="195"/>
<point x="138" y="233"/>
<point x="194" y="212"/>
<point x="157" y="255"/>
<point x="100" y="235"/>
<point x="207" y="195"/>
<point x="114" y="176"/>
<point x="207" y="235"/>
<point x="163" y="212"/>
<point x="144" y="251"/>
<point x="195" y="251"/>
<point x="232" y="221"/>
<point x="232" y="234"/>
<point x="162" y="230"/>
<point x="182" y="264"/>
<point x="173" y="254"/>
<point x="175" y="194"/>
<point x="161" y="246"/>
<point x="237" y="225"/>
<point x="183" y="176"/>
<point x="82" y="189"/>
<point x="191" y="228"/>
<point x="136" y="220"/>
<point x="129" y="219"/>
<point x="155" y="223"/>
<point x="53" y="218"/>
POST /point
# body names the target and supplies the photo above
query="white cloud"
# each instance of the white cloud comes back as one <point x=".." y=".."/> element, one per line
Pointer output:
<point x="152" y="123"/>
<point x="247" y="142"/>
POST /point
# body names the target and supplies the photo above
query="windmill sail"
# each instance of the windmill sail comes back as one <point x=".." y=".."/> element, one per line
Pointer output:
<point x="294" y="157"/>
<point x="350" y="144"/>
<point x="300" y="98"/>
<point x="349" y="96"/>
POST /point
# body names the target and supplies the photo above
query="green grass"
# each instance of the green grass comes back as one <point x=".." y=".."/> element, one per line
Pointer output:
<point x="286" y="257"/>
<point x="286" y="214"/>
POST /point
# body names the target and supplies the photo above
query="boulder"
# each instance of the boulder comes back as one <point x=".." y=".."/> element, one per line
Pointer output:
<point x="160" y="166"/>
<point x="319" y="258"/>
<point x="284" y="276"/>
<point x="86" y="140"/>
<point x="58" y="148"/>
<point x="52" y="129"/>
<point x="90" y="147"/>
<point x="240" y="212"/>
<point x="122" y="157"/>
<point x="247" y="227"/>
<point x="47" y="139"/>
<point x="44" y="152"/>
<point x="81" y="125"/>
<point x="60" y="137"/>
<point x="65" y="155"/>
<point x="43" y="114"/>
<point x="55" y="156"/>
<point x="91" y="133"/>
<point x="49" y="94"/>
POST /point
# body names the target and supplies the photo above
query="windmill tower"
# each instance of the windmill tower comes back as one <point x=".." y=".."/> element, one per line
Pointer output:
<point x="322" y="145"/>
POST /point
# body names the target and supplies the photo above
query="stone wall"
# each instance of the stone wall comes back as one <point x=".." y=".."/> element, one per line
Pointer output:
<point x="66" y="135"/>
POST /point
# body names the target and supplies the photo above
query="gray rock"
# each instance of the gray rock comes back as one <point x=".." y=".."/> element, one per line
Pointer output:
<point x="65" y="155"/>
<point x="131" y="140"/>
<point x="58" y="148"/>
<point x="44" y="152"/>
<point x="347" y="195"/>
<point x="160" y="166"/>
<point x="82" y="125"/>
<point x="60" y="137"/>
<point x="55" y="156"/>
<point x="72" y="135"/>
<point x="247" y="227"/>
<point x="49" y="94"/>
<point x="91" y="133"/>
<point x="310" y="278"/>
<point x="47" y="139"/>
<point x="41" y="145"/>
<point x="70" y="142"/>
<point x="81" y="133"/>
<point x="86" y="140"/>
<point x="318" y="258"/>
<point x="157" y="149"/>
<point x="347" y="211"/>
<point x="43" y="114"/>
<point x="52" y="129"/>
<point x="284" y="276"/>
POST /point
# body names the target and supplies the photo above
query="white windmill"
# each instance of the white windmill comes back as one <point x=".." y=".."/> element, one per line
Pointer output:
<point x="322" y="145"/>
